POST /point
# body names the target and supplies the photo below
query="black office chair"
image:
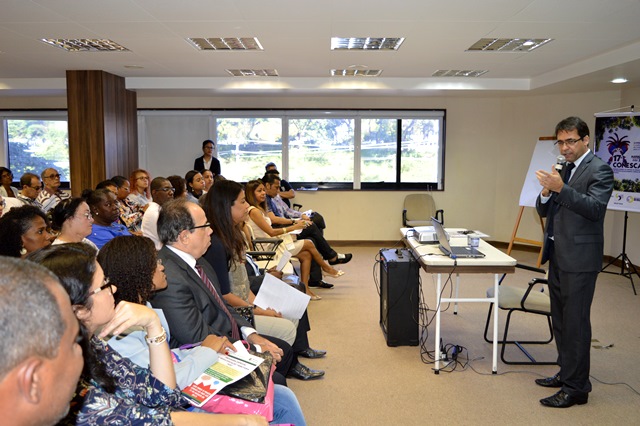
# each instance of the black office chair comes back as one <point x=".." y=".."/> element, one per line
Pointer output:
<point x="527" y="300"/>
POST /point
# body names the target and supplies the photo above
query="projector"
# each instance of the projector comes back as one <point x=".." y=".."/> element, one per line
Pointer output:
<point x="426" y="235"/>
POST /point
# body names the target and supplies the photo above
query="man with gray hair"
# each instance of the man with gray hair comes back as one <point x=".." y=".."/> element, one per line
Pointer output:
<point x="40" y="358"/>
<point x="51" y="195"/>
<point x="31" y="186"/>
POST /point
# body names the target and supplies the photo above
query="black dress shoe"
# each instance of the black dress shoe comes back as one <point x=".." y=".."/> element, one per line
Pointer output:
<point x="561" y="399"/>
<point x="312" y="353"/>
<point x="339" y="260"/>
<point x="550" y="382"/>
<point x="303" y="372"/>
<point x="320" y="284"/>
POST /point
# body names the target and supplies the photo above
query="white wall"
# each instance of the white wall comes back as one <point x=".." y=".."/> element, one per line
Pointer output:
<point x="490" y="141"/>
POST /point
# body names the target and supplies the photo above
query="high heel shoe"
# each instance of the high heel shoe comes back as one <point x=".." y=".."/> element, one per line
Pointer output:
<point x="315" y="297"/>
<point x="336" y="275"/>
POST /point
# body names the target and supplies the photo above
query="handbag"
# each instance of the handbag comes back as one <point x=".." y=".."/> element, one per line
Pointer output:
<point x="253" y="394"/>
<point x="247" y="313"/>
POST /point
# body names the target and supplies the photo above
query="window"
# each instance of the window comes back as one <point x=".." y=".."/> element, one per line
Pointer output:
<point x="328" y="149"/>
<point x="35" y="144"/>
<point x="245" y="145"/>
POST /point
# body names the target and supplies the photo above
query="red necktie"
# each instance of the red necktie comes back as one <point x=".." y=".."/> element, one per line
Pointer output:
<point x="235" y="330"/>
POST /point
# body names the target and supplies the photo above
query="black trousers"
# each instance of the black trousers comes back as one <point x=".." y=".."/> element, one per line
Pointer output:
<point x="571" y="296"/>
<point x="288" y="361"/>
<point x="314" y="234"/>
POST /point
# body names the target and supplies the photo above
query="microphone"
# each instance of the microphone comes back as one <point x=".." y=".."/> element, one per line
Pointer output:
<point x="560" y="163"/>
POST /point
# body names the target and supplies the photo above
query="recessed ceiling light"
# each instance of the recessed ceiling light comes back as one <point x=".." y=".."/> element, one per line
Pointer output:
<point x="134" y="67"/>
<point x="619" y="80"/>
<point x="366" y="43"/>
<point x="253" y="73"/>
<point x="355" y="73"/>
<point x="508" y="44"/>
<point x="459" y="73"/>
<point x="226" y="43"/>
<point x="85" y="45"/>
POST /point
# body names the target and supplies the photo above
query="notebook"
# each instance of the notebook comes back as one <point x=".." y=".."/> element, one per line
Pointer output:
<point x="453" y="252"/>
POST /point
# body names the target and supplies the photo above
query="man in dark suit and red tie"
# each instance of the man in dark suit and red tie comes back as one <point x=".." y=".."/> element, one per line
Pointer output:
<point x="574" y="203"/>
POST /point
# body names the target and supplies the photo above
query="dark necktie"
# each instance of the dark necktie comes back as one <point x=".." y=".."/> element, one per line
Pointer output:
<point x="235" y="330"/>
<point x="567" y="173"/>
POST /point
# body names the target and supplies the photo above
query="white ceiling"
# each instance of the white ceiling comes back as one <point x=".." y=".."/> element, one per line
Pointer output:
<point x="594" y="41"/>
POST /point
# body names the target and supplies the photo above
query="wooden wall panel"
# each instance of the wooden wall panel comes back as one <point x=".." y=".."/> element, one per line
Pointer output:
<point x="103" y="137"/>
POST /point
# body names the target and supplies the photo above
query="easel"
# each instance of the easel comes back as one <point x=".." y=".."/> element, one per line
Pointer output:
<point x="515" y="238"/>
<point x="626" y="263"/>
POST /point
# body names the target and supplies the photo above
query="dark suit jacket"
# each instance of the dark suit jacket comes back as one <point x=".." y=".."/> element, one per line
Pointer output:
<point x="578" y="221"/>
<point x="198" y="165"/>
<point x="189" y="306"/>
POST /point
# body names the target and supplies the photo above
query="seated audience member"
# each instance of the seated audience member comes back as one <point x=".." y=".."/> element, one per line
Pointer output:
<point x="2" y="205"/>
<point x="40" y="359"/>
<point x="73" y="221"/>
<point x="140" y="195"/>
<point x="130" y="214"/>
<point x="207" y="161"/>
<point x="195" y="185"/>
<point x="207" y="175"/>
<point x="227" y="211"/>
<point x="23" y="230"/>
<point x="31" y="187"/>
<point x="51" y="193"/>
<point x="112" y="389"/>
<point x="161" y="192"/>
<point x="192" y="303"/>
<point x="286" y="191"/>
<point x="105" y="213"/>
<point x="122" y="255"/>
<point x="108" y="184"/>
<point x="304" y="250"/>
<point x="179" y="186"/>
<point x="6" y="190"/>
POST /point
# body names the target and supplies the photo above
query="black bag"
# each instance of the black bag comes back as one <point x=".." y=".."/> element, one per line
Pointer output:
<point x="252" y="387"/>
<point x="247" y="313"/>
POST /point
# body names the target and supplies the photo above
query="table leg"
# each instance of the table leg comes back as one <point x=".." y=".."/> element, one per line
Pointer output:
<point x="455" y="304"/>
<point x="437" y="337"/>
<point x="496" y="288"/>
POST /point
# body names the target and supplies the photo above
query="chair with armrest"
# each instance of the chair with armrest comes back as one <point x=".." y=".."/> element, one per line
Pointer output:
<point x="528" y="300"/>
<point x="418" y="210"/>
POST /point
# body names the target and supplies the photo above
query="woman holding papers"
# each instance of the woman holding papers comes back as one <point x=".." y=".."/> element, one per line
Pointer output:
<point x="112" y="389"/>
<point x="304" y="250"/>
<point x="226" y="210"/>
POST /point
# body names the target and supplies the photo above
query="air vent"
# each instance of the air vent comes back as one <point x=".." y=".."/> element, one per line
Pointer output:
<point x="459" y="73"/>
<point x="85" y="45"/>
<point x="508" y="44"/>
<point x="366" y="43"/>
<point x="226" y="43"/>
<point x="355" y="73"/>
<point x="253" y="73"/>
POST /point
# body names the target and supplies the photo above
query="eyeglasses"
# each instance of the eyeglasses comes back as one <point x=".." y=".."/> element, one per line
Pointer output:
<point x="171" y="189"/>
<point x="159" y="261"/>
<point x="37" y="188"/>
<point x="3" y="203"/>
<point x="87" y="216"/>
<point x="567" y="142"/>
<point x="104" y="286"/>
<point x="53" y="176"/>
<point x="4" y="175"/>
<point x="142" y="178"/>
<point x="206" y="225"/>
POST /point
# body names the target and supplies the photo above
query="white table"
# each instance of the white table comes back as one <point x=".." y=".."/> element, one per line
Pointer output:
<point x="432" y="261"/>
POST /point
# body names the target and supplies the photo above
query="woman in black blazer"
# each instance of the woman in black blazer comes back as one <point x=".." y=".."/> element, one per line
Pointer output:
<point x="199" y="163"/>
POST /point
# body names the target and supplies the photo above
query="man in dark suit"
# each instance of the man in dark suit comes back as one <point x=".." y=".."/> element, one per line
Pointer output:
<point x="207" y="161"/>
<point x="192" y="303"/>
<point x="574" y="204"/>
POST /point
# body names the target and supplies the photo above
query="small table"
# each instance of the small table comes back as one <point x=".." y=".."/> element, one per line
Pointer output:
<point x="432" y="261"/>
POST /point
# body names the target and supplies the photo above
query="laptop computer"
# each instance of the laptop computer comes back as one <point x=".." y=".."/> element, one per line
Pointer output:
<point x="453" y="252"/>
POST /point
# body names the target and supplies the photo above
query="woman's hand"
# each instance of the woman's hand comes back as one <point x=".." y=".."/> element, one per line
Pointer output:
<point x="128" y="315"/>
<point x="269" y="312"/>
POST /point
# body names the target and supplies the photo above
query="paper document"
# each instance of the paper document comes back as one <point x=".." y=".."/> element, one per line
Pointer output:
<point x="278" y="295"/>
<point x="229" y="369"/>
<point x="284" y="259"/>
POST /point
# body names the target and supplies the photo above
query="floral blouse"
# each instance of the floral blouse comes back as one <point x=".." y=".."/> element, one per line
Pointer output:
<point x="139" y="399"/>
<point x="130" y="214"/>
